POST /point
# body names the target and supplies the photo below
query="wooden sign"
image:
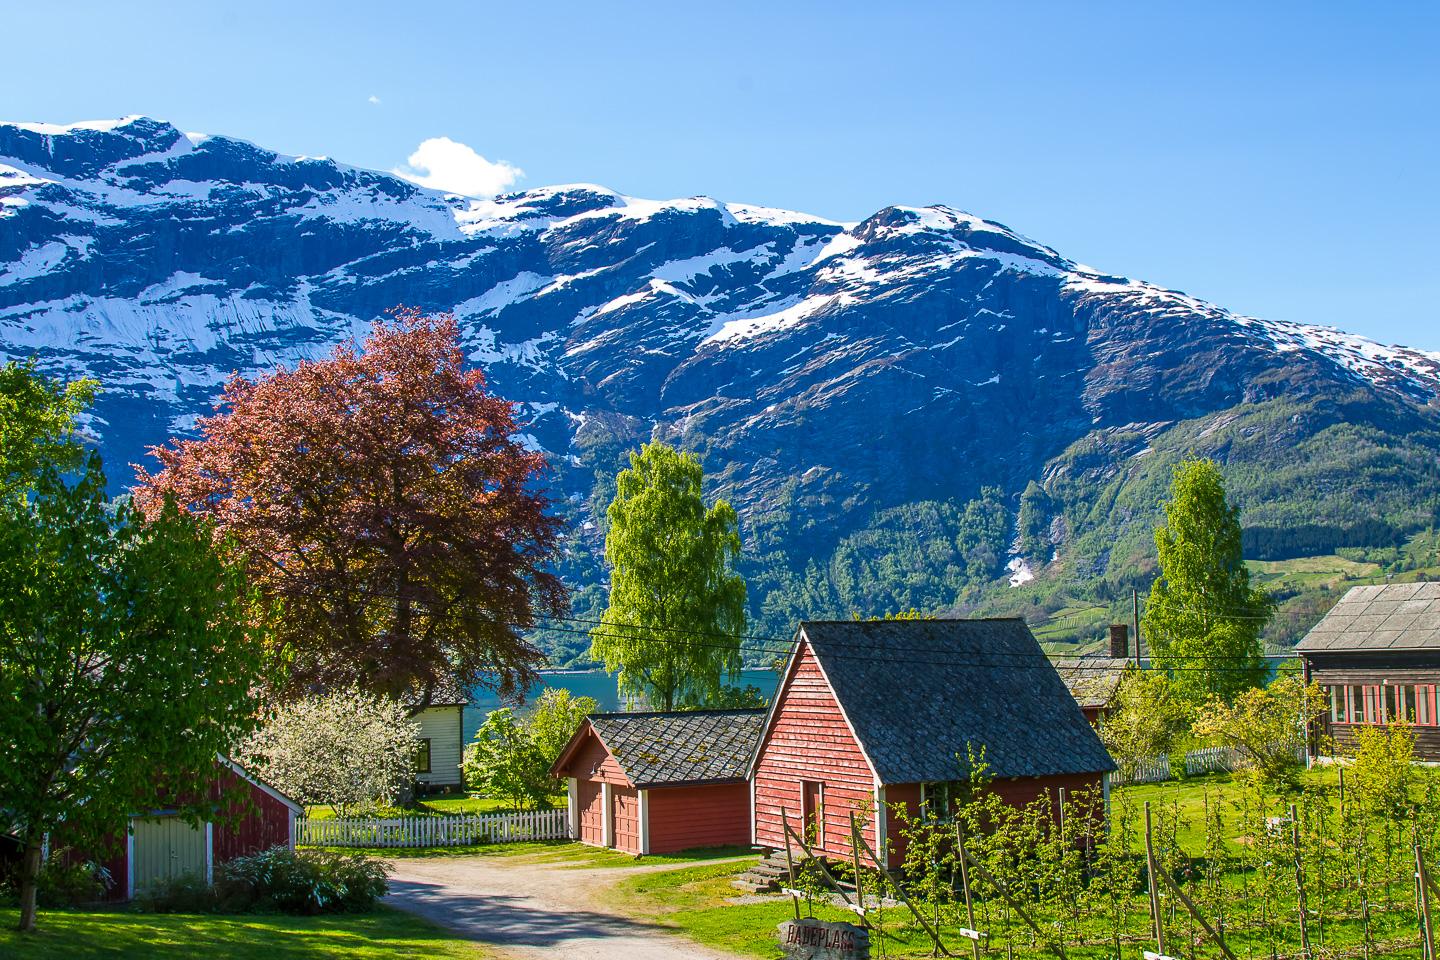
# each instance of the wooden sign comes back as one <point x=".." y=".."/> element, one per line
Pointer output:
<point x="811" y="939"/>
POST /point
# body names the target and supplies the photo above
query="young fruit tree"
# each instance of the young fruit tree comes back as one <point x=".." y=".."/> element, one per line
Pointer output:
<point x="129" y="657"/>
<point x="382" y="495"/>
<point x="512" y="753"/>
<point x="1268" y="725"/>
<point x="1145" y="721"/>
<point x="677" y="607"/>
<point x="347" y="748"/>
<point x="1203" y="619"/>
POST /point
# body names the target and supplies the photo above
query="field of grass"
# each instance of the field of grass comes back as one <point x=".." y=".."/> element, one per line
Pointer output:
<point x="1304" y="573"/>
<point x="120" y="935"/>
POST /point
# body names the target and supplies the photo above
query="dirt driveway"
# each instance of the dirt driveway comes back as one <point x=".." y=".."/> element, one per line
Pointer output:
<point x="535" y="909"/>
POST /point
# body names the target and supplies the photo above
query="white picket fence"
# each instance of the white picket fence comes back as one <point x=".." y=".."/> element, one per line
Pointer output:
<point x="1204" y="760"/>
<point x="434" y="831"/>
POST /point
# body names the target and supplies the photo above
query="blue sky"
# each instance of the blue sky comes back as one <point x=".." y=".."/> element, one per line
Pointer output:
<point x="1281" y="160"/>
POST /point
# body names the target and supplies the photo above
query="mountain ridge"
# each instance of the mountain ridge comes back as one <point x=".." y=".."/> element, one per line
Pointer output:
<point x="827" y="372"/>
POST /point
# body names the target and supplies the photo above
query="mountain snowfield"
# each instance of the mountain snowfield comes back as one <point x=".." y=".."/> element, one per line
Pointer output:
<point x="917" y="355"/>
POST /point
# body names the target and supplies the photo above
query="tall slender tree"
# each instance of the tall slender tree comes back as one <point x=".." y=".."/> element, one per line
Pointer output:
<point x="1203" y="619"/>
<point x="382" y="495"/>
<point x="673" y="626"/>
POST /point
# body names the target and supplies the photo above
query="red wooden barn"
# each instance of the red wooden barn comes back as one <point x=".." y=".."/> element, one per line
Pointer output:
<point x="873" y="714"/>
<point x="660" y="782"/>
<point x="158" y="845"/>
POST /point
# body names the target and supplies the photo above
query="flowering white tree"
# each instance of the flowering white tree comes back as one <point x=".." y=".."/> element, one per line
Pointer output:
<point x="347" y="748"/>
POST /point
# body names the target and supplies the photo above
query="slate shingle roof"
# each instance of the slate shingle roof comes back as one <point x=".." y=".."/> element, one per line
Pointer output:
<point x="698" y="746"/>
<point x="1092" y="681"/>
<point x="918" y="691"/>
<point x="448" y="693"/>
<point x="1389" y="616"/>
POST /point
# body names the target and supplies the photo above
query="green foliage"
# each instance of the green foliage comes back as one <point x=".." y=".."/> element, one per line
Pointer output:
<point x="1203" y="620"/>
<point x="128" y="646"/>
<point x="1267" y="724"/>
<point x="676" y="613"/>
<point x="731" y="697"/>
<point x="1034" y="522"/>
<point x="1146" y="720"/>
<point x="37" y="424"/>
<point x="553" y="721"/>
<point x="304" y="882"/>
<point x="63" y="884"/>
<point x="511" y="755"/>
<point x="1383" y="775"/>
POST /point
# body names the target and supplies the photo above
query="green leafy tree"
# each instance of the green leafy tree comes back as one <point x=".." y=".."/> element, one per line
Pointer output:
<point x="512" y="753"/>
<point x="37" y="424"/>
<point x="1146" y="720"/>
<point x="1034" y="523"/>
<point x="1267" y="725"/>
<point x="128" y="655"/>
<point x="1204" y="619"/>
<point x="677" y="607"/>
<point x="557" y="715"/>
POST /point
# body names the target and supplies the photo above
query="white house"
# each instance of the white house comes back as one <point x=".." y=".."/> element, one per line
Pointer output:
<point x="442" y="738"/>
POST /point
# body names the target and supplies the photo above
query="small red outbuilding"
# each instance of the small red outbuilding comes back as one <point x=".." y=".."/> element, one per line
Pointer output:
<point x="871" y="715"/>
<point x="660" y="782"/>
<point x="158" y="845"/>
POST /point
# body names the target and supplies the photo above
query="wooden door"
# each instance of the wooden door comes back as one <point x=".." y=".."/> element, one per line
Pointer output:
<point x="589" y="799"/>
<point x="626" y="811"/>
<point x="166" y="848"/>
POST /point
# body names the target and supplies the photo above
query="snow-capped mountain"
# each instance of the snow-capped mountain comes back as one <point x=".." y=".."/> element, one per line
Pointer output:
<point x="842" y="369"/>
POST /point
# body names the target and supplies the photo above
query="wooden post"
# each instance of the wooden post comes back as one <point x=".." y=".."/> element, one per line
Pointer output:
<point x="855" y="865"/>
<point x="1299" y="883"/>
<point x="1062" y="815"/>
<point x="1135" y="612"/>
<point x="789" y="861"/>
<point x="985" y="875"/>
<point x="1157" y="921"/>
<point x="1427" y="928"/>
<point x="1199" y="917"/>
<point x="965" y="887"/>
<point x="900" y="892"/>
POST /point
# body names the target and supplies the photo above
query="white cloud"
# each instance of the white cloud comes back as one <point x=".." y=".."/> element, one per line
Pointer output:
<point x="374" y="99"/>
<point x="443" y="164"/>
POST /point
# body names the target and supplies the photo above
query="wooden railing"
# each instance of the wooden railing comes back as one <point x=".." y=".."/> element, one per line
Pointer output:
<point x="434" y="831"/>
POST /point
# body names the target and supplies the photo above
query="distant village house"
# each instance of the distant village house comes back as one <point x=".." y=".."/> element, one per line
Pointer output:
<point x="442" y="738"/>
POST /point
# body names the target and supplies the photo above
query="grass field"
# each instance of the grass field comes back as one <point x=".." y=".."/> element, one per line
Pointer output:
<point x="120" y="935"/>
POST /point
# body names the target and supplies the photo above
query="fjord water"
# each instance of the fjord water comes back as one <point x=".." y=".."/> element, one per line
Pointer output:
<point x="584" y="683"/>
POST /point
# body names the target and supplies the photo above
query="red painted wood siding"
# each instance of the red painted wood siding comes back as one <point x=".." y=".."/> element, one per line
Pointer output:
<point x="808" y="739"/>
<point x="592" y="755"/>
<point x="590" y="799"/>
<point x="625" y="808"/>
<point x="263" y="821"/>
<point x="683" y="818"/>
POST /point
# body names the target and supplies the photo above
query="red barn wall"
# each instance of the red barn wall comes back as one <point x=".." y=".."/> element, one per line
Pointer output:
<point x="264" y="821"/>
<point x="714" y="815"/>
<point x="625" y="813"/>
<point x="808" y="739"/>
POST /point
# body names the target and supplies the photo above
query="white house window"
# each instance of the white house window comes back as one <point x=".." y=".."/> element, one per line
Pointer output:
<point x="422" y="756"/>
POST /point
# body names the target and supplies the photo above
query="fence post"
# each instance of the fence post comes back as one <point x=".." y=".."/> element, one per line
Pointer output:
<point x="1426" y="927"/>
<point x="965" y="888"/>
<point x="1299" y="882"/>
<point x="1156" y="918"/>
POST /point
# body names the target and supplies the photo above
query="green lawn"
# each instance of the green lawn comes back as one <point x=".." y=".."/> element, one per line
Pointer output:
<point x="118" y="935"/>
<point x="438" y="806"/>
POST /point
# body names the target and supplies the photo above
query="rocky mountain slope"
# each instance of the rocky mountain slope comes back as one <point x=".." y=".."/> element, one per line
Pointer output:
<point x="875" y="397"/>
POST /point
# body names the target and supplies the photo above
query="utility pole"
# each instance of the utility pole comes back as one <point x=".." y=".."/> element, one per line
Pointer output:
<point x="1135" y="615"/>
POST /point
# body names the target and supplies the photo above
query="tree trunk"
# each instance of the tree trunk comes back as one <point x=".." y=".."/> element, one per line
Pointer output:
<point x="29" y="881"/>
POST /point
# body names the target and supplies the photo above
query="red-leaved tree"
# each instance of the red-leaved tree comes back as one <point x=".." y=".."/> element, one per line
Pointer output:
<point x="382" y="499"/>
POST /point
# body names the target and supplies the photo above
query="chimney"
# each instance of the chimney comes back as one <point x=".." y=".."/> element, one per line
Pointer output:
<point x="1120" y="640"/>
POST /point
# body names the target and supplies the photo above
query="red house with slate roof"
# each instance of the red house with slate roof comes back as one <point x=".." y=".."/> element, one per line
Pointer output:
<point x="871" y="714"/>
<point x="660" y="782"/>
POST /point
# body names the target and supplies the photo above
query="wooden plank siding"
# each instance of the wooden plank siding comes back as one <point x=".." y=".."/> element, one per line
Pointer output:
<point x="443" y="727"/>
<point x="808" y="739"/>
<point x="710" y="815"/>
<point x="263" y="821"/>
<point x="625" y="809"/>
<point x="1375" y="668"/>
<point x="591" y="761"/>
<point x="590" y="797"/>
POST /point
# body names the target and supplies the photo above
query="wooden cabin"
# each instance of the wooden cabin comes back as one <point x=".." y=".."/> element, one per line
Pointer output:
<point x="442" y="737"/>
<point x="157" y="845"/>
<point x="873" y="714"/>
<point x="660" y="782"/>
<point x="1377" y="654"/>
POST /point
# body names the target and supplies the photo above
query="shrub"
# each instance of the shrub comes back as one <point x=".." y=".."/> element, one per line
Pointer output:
<point x="186" y="893"/>
<point x="305" y="883"/>
<point x="62" y="884"/>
